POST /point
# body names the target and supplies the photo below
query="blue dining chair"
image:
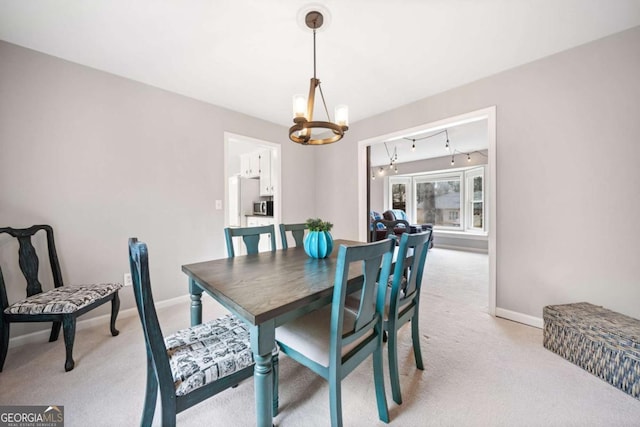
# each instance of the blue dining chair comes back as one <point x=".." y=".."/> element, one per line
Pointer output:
<point x="402" y="301"/>
<point x="191" y="364"/>
<point x="250" y="237"/>
<point x="403" y="305"/>
<point x="297" y="231"/>
<point x="333" y="341"/>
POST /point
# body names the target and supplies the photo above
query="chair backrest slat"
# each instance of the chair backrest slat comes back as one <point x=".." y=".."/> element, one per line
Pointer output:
<point x="376" y="261"/>
<point x="29" y="264"/>
<point x="297" y="231"/>
<point x="413" y="265"/>
<point x="251" y="238"/>
<point x="28" y="257"/>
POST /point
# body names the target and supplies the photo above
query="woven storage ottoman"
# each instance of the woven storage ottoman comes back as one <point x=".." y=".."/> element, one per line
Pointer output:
<point x="601" y="341"/>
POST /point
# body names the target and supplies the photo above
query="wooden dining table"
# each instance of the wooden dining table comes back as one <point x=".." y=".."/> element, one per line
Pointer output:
<point x="266" y="290"/>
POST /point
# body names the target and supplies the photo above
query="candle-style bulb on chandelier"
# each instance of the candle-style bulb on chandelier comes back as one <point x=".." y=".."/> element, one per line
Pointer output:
<point x="302" y="132"/>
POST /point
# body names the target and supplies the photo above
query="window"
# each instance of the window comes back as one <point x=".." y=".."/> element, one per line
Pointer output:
<point x="438" y="199"/>
<point x="475" y="199"/>
<point x="399" y="193"/>
<point x="453" y="201"/>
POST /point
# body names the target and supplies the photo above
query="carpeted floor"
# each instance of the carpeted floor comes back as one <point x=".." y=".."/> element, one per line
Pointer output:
<point x="479" y="371"/>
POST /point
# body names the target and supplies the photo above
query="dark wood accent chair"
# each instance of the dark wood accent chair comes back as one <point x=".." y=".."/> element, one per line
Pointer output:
<point x="60" y="305"/>
<point x="191" y="364"/>
<point x="332" y="341"/>
<point x="297" y="231"/>
<point x="250" y="237"/>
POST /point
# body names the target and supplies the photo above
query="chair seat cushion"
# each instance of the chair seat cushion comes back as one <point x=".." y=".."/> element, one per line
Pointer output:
<point x="310" y="334"/>
<point x="63" y="300"/>
<point x="204" y="353"/>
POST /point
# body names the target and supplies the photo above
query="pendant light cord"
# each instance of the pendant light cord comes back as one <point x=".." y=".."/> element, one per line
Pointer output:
<point x="324" y="103"/>
<point x="314" y="50"/>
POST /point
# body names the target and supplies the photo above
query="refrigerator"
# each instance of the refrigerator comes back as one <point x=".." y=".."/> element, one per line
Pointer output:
<point x="242" y="193"/>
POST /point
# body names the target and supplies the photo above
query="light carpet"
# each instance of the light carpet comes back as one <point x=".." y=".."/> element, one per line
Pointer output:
<point x="479" y="371"/>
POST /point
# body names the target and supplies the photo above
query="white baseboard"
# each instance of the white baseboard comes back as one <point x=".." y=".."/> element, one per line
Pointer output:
<point x="536" y="322"/>
<point x="40" y="336"/>
<point x="461" y="248"/>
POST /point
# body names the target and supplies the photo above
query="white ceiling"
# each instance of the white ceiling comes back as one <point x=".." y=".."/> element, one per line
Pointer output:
<point x="252" y="56"/>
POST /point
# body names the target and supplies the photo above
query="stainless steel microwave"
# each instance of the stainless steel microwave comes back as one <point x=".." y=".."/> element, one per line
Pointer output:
<point x="263" y="208"/>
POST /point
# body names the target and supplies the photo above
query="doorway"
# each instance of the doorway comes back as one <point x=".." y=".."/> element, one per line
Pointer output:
<point x="267" y="179"/>
<point x="364" y="172"/>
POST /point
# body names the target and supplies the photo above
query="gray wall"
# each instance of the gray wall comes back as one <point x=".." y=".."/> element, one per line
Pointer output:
<point x="567" y="153"/>
<point x="102" y="158"/>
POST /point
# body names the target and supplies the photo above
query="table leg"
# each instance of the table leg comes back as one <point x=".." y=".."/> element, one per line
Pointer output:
<point x="262" y="344"/>
<point x="196" y="302"/>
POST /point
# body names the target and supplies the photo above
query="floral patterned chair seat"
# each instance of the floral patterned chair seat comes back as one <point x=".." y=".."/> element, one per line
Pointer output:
<point x="206" y="352"/>
<point x="65" y="299"/>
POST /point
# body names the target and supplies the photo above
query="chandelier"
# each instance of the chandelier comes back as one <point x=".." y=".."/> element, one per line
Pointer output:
<point x="302" y="132"/>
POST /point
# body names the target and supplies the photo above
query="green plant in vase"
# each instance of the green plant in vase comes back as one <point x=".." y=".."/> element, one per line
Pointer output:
<point x="318" y="243"/>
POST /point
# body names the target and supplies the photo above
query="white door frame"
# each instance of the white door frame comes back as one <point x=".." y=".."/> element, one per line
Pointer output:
<point x="486" y="113"/>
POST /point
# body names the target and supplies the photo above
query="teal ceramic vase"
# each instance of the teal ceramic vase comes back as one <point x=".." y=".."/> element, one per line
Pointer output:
<point x="318" y="244"/>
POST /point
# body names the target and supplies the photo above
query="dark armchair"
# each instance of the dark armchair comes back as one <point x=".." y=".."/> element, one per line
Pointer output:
<point x="396" y="227"/>
<point x="399" y="214"/>
<point x="395" y="214"/>
<point x="377" y="231"/>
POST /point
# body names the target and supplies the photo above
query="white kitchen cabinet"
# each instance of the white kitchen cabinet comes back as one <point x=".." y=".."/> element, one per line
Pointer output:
<point x="266" y="180"/>
<point x="258" y="165"/>
<point x="250" y="165"/>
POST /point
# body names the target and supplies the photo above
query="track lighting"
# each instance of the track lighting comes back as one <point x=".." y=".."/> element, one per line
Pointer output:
<point x="393" y="158"/>
<point x="393" y="154"/>
<point x="467" y="154"/>
<point x="413" y="140"/>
